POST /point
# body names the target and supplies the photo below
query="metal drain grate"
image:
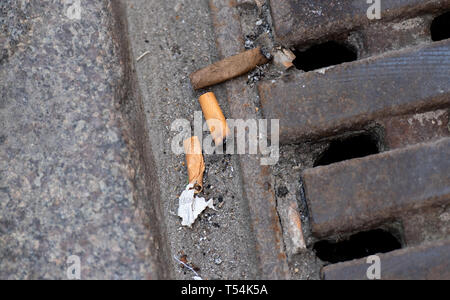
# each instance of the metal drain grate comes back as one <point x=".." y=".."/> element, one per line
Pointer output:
<point x="298" y="22"/>
<point x="316" y="104"/>
<point x="367" y="192"/>
<point x="426" y="262"/>
<point x="400" y="84"/>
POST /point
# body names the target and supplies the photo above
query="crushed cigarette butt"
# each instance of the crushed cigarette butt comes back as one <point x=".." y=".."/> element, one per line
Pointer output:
<point x="191" y="206"/>
<point x="295" y="229"/>
<point x="214" y="118"/>
<point x="284" y="58"/>
<point x="195" y="163"/>
<point x="228" y="68"/>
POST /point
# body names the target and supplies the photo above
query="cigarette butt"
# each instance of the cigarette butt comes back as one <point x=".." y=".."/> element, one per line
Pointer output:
<point x="195" y="162"/>
<point x="295" y="229"/>
<point x="228" y="68"/>
<point x="284" y="58"/>
<point x="214" y="117"/>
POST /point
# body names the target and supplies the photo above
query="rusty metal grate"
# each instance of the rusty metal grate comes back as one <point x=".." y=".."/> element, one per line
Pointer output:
<point x="398" y="89"/>
<point x="364" y="193"/>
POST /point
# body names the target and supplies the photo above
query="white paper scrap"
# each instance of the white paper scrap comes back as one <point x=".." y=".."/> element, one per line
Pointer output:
<point x="191" y="206"/>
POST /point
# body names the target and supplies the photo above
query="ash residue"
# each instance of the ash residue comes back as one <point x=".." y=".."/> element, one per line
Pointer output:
<point x="256" y="75"/>
<point x="256" y="24"/>
<point x="259" y="24"/>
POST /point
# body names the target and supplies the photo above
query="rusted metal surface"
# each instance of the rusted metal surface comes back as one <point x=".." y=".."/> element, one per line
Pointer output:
<point x="298" y="21"/>
<point x="427" y="262"/>
<point x="405" y="91"/>
<point x="347" y="96"/>
<point x="381" y="37"/>
<point x="256" y="183"/>
<point x="429" y="225"/>
<point x="359" y="193"/>
<point x="416" y="128"/>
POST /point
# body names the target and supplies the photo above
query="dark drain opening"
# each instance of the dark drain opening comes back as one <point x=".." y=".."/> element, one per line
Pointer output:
<point x="440" y="27"/>
<point x="351" y="147"/>
<point x="360" y="245"/>
<point x="324" y="55"/>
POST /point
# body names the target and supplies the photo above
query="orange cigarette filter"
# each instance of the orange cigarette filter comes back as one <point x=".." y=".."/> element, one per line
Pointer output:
<point x="195" y="163"/>
<point x="214" y="117"/>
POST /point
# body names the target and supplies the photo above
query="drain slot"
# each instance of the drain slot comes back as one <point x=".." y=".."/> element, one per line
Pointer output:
<point x="324" y="55"/>
<point x="351" y="147"/>
<point x="360" y="245"/>
<point x="440" y="27"/>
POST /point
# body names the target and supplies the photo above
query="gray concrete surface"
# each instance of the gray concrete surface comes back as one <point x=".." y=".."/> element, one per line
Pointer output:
<point x="71" y="177"/>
